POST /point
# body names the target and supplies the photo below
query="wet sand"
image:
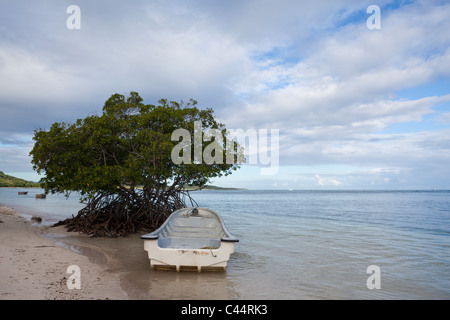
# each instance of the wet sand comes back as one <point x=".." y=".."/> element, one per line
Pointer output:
<point x="35" y="268"/>
<point x="34" y="261"/>
<point x="126" y="258"/>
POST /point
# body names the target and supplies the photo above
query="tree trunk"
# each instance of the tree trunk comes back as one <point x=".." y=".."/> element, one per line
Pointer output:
<point x="129" y="211"/>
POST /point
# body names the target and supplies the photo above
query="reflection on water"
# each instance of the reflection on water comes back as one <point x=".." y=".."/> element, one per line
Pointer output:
<point x="52" y="209"/>
<point x="126" y="257"/>
<point x="141" y="282"/>
<point x="78" y="245"/>
<point x="150" y="284"/>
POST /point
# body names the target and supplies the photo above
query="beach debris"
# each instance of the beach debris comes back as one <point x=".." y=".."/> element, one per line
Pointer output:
<point x="36" y="218"/>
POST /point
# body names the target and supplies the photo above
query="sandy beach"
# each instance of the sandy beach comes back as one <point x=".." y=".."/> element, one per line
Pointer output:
<point x="32" y="267"/>
<point x="34" y="258"/>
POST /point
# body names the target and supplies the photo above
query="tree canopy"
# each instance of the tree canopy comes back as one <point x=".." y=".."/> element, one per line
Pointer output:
<point x="121" y="163"/>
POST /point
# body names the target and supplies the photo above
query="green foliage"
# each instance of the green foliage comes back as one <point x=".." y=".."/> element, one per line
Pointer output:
<point x="128" y="145"/>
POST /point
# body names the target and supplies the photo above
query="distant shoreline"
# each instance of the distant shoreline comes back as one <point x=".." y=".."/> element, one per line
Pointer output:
<point x="212" y="188"/>
<point x="24" y="187"/>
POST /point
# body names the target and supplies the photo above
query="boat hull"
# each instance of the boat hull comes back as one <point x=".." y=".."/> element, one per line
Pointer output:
<point x="184" y="259"/>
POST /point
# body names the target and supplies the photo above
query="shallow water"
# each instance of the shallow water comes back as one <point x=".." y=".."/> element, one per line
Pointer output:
<point x="295" y="245"/>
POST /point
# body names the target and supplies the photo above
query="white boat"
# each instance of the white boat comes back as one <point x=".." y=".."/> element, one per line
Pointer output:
<point x="191" y="239"/>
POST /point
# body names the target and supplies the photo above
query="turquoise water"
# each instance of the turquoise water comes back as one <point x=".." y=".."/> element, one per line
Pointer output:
<point x="317" y="244"/>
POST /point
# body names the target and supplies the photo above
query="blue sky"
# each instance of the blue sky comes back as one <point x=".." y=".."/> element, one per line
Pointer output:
<point x="355" y="108"/>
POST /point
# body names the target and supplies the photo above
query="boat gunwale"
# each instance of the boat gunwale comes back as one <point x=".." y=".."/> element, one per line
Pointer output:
<point x="155" y="234"/>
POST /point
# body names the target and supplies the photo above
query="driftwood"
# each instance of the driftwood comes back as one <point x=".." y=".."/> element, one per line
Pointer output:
<point x="115" y="215"/>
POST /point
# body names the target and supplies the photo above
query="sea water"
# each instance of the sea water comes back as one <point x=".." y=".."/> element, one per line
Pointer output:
<point x="301" y="245"/>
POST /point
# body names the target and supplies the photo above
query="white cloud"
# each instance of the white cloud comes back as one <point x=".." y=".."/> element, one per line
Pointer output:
<point x="332" y="106"/>
<point x="445" y="118"/>
<point x="327" y="181"/>
<point x="15" y="159"/>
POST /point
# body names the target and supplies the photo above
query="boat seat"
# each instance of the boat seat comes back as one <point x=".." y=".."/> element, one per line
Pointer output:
<point x="193" y="227"/>
<point x="187" y="243"/>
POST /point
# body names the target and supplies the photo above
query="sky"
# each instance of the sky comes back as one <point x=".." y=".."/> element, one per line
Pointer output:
<point x="355" y="107"/>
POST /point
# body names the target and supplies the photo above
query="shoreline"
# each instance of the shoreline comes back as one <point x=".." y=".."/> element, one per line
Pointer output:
<point x="34" y="259"/>
<point x="33" y="265"/>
